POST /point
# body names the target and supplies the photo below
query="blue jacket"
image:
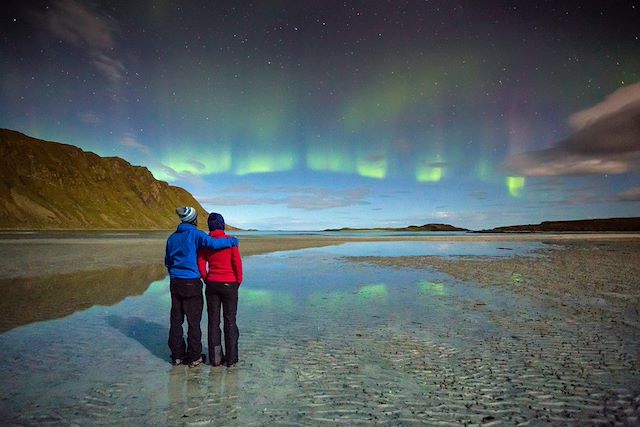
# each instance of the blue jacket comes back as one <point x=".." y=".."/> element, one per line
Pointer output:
<point x="181" y="256"/>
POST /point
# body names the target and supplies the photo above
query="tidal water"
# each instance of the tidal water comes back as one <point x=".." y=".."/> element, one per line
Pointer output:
<point x="324" y="341"/>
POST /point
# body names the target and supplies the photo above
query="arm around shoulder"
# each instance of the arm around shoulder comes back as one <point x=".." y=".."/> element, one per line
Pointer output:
<point x="221" y="243"/>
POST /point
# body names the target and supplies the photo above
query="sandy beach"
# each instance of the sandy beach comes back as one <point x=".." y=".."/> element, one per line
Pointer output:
<point x="586" y="273"/>
<point x="27" y="255"/>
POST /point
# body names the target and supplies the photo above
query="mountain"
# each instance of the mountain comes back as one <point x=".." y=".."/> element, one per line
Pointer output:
<point x="583" y="225"/>
<point x="48" y="185"/>
<point x="425" y="227"/>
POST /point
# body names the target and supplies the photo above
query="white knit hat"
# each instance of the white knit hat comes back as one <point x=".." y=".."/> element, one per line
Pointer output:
<point x="187" y="214"/>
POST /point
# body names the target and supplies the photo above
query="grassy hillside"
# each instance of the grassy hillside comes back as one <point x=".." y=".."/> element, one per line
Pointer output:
<point x="47" y="185"/>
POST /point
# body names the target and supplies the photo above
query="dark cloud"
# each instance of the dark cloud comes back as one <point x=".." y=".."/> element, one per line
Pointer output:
<point x="79" y="25"/>
<point x="440" y="164"/>
<point x="197" y="164"/>
<point x="606" y="142"/>
<point x="630" y="195"/>
<point x="479" y="195"/>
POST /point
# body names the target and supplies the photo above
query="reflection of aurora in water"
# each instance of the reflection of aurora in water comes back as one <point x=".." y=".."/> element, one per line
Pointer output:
<point x="320" y="336"/>
<point x="265" y="298"/>
<point x="376" y="291"/>
<point x="427" y="288"/>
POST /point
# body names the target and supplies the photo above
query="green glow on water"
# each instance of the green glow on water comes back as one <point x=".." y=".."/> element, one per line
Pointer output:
<point x="331" y="301"/>
<point x="374" y="291"/>
<point x="265" y="298"/>
<point x="427" y="288"/>
<point x="258" y="297"/>
<point x="516" y="278"/>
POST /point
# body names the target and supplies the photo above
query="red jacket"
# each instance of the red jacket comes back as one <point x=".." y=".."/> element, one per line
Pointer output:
<point x="225" y="265"/>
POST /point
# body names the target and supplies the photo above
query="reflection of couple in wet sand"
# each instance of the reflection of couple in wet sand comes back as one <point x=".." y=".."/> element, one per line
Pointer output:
<point x="192" y="255"/>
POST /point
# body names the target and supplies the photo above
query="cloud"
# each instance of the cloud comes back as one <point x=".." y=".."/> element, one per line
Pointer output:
<point x="438" y="164"/>
<point x="305" y="198"/>
<point x="617" y="101"/>
<point x="197" y="164"/>
<point x="479" y="195"/>
<point x="223" y="200"/>
<point x="606" y="141"/>
<point x="129" y="140"/>
<point x="243" y="188"/>
<point x="319" y="199"/>
<point x="111" y="68"/>
<point x="77" y="24"/>
<point x="90" y="118"/>
<point x="167" y="173"/>
<point x="630" y="195"/>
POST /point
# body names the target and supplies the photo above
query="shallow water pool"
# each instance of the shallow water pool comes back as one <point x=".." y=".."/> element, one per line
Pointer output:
<point x="326" y="341"/>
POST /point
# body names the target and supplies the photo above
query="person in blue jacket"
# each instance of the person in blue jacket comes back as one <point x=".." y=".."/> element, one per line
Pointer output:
<point x="181" y="260"/>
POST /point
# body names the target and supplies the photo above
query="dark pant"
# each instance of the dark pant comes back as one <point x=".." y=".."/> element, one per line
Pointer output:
<point x="186" y="300"/>
<point x="225" y="295"/>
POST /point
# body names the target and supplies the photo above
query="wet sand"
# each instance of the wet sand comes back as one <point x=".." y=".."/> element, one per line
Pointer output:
<point x="590" y="276"/>
<point x="546" y="339"/>
<point x="38" y="257"/>
<point x="29" y="255"/>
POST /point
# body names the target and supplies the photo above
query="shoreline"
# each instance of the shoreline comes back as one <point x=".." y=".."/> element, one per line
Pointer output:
<point x="594" y="279"/>
<point x="35" y="256"/>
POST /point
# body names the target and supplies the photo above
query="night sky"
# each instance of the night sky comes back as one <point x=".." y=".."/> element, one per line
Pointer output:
<point x="304" y="115"/>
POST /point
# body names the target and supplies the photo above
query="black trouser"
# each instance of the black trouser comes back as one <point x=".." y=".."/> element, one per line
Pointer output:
<point x="225" y="295"/>
<point x="186" y="300"/>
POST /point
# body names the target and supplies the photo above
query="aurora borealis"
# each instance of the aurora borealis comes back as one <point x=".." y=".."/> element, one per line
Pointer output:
<point x="306" y="115"/>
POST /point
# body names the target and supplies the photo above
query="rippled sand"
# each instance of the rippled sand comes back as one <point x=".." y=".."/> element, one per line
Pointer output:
<point x="549" y="339"/>
<point x="596" y="278"/>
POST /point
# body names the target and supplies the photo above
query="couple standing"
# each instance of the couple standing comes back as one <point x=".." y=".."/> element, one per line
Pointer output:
<point x="192" y="255"/>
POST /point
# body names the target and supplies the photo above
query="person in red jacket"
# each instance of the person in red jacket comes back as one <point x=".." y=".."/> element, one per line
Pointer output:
<point x="222" y="273"/>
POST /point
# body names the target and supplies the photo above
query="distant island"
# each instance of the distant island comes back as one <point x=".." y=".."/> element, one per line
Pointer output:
<point x="425" y="227"/>
<point x="49" y="185"/>
<point x="575" y="226"/>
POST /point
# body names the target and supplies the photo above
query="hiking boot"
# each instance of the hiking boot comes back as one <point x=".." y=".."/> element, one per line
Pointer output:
<point x="196" y="362"/>
<point x="199" y="361"/>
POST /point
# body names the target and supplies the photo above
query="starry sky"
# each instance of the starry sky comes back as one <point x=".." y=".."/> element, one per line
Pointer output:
<point x="305" y="115"/>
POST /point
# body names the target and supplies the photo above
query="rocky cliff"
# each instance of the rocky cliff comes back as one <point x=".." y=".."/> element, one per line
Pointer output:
<point x="58" y="186"/>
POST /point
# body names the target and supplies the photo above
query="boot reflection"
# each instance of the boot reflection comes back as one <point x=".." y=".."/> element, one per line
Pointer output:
<point x="223" y="389"/>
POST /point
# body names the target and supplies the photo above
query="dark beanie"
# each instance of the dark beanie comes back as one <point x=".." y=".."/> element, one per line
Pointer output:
<point x="216" y="221"/>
